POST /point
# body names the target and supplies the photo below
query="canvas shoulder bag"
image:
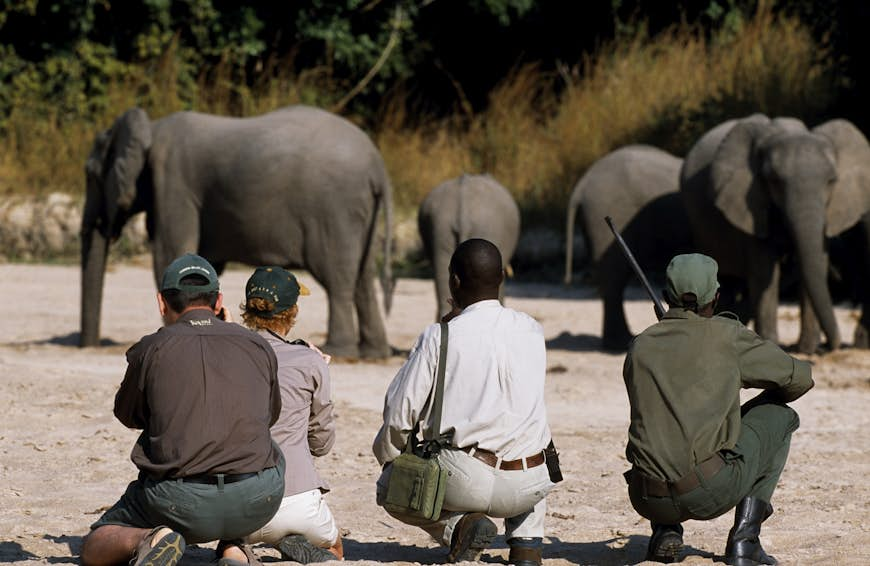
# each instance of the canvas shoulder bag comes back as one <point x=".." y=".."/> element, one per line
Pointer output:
<point x="417" y="482"/>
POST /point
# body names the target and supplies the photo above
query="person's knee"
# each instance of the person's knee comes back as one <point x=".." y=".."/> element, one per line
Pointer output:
<point x="94" y="545"/>
<point x="770" y="416"/>
<point x="793" y="419"/>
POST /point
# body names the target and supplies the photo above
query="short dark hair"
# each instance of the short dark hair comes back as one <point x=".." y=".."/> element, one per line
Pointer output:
<point x="178" y="300"/>
<point x="688" y="301"/>
<point x="478" y="264"/>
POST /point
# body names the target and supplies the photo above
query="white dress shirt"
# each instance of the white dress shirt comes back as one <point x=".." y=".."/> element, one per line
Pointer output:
<point x="493" y="386"/>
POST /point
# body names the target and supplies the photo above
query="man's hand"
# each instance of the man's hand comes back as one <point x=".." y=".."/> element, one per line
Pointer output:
<point x="224" y="314"/>
<point x="326" y="357"/>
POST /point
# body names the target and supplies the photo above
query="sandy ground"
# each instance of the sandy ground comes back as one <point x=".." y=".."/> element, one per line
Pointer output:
<point x="64" y="458"/>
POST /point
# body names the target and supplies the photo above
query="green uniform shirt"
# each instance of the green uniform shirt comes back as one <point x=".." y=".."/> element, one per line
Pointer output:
<point x="683" y="376"/>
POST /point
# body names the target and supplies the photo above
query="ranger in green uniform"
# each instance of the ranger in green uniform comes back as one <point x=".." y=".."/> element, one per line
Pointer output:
<point x="695" y="452"/>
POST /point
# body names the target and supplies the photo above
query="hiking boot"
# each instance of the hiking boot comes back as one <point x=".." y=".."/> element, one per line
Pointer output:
<point x="744" y="547"/>
<point x="525" y="551"/>
<point x="472" y="535"/>
<point x="298" y="549"/>
<point x="166" y="551"/>
<point x="665" y="544"/>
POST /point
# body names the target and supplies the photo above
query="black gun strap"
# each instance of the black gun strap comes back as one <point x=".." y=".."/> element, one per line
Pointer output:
<point x="438" y="396"/>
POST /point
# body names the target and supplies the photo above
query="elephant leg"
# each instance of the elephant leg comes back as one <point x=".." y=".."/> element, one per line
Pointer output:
<point x="373" y="336"/>
<point x="341" y="340"/>
<point x="861" y="338"/>
<point x="811" y="332"/>
<point x="764" y="294"/>
<point x="615" y="333"/>
<point x="612" y="275"/>
<point x="172" y="245"/>
<point x="337" y="270"/>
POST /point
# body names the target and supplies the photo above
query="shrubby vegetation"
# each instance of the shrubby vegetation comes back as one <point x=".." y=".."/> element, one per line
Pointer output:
<point x="536" y="131"/>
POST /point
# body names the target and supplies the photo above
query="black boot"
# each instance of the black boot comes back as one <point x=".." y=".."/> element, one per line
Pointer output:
<point x="525" y="551"/>
<point x="665" y="543"/>
<point x="744" y="548"/>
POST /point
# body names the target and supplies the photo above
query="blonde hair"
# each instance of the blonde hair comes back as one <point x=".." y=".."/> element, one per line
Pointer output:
<point x="254" y="315"/>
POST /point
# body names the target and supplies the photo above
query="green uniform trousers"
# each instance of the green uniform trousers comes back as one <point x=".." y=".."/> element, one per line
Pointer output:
<point x="752" y="469"/>
<point x="200" y="512"/>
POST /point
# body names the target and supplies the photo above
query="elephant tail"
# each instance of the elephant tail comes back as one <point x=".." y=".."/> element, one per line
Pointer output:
<point x="388" y="282"/>
<point x="569" y="242"/>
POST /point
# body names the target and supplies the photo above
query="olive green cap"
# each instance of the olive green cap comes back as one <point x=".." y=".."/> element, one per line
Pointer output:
<point x="276" y="285"/>
<point x="190" y="264"/>
<point x="692" y="273"/>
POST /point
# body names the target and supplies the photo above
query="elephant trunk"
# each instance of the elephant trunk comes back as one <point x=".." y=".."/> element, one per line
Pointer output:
<point x="95" y="247"/>
<point x="569" y="242"/>
<point x="813" y="260"/>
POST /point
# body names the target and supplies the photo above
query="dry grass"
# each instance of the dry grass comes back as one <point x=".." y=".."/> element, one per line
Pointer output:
<point x="540" y="131"/>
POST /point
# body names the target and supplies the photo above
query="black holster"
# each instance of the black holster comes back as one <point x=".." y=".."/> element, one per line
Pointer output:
<point x="551" y="458"/>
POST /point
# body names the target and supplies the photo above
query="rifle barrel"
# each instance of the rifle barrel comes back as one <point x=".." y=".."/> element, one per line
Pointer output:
<point x="626" y="251"/>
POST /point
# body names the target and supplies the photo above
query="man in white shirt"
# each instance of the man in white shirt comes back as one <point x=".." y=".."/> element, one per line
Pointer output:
<point x="493" y="411"/>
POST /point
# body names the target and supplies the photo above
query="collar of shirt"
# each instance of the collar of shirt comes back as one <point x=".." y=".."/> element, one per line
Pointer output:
<point x="197" y="314"/>
<point x="680" y="312"/>
<point x="485" y="304"/>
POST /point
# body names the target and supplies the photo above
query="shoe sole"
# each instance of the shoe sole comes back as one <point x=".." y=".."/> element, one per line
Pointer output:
<point x="478" y="538"/>
<point x="167" y="552"/>
<point x="667" y="553"/>
<point x="298" y="549"/>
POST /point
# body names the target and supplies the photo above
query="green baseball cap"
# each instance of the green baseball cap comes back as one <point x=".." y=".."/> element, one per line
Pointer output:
<point x="276" y="285"/>
<point x="692" y="273"/>
<point x="190" y="264"/>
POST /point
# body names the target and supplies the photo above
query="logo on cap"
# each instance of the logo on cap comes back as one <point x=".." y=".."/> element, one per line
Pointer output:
<point x="185" y="266"/>
<point x="276" y="285"/>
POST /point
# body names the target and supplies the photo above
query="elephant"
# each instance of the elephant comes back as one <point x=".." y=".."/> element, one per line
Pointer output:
<point x="298" y="187"/>
<point x="469" y="206"/>
<point x="759" y="191"/>
<point x="638" y="187"/>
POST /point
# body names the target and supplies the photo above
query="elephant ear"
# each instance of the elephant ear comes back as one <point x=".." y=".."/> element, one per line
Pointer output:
<point x="93" y="173"/>
<point x="850" y="192"/>
<point x="131" y="141"/>
<point x="736" y="183"/>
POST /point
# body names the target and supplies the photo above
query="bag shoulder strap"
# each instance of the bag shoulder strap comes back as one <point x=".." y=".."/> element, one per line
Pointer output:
<point x="438" y="395"/>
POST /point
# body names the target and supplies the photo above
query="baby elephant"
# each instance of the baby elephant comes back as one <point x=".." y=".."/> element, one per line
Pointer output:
<point x="636" y="185"/>
<point x="470" y="206"/>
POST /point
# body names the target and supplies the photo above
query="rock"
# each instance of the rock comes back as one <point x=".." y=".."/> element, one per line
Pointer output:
<point x="35" y="228"/>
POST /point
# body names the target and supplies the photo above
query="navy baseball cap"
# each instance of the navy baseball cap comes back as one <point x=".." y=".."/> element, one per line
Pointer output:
<point x="190" y="264"/>
<point x="276" y="285"/>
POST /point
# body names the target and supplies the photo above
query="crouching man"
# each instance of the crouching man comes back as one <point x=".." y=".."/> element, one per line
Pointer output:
<point x="204" y="392"/>
<point x="695" y="452"/>
<point x="492" y="413"/>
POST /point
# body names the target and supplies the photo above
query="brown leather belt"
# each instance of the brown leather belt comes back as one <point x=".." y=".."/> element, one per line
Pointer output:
<point x="659" y="488"/>
<point x="490" y="459"/>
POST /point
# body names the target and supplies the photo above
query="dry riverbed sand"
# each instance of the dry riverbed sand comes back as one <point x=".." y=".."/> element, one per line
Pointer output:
<point x="64" y="458"/>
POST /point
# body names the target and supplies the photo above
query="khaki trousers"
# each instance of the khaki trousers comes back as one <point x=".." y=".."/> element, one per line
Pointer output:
<point x="472" y="486"/>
